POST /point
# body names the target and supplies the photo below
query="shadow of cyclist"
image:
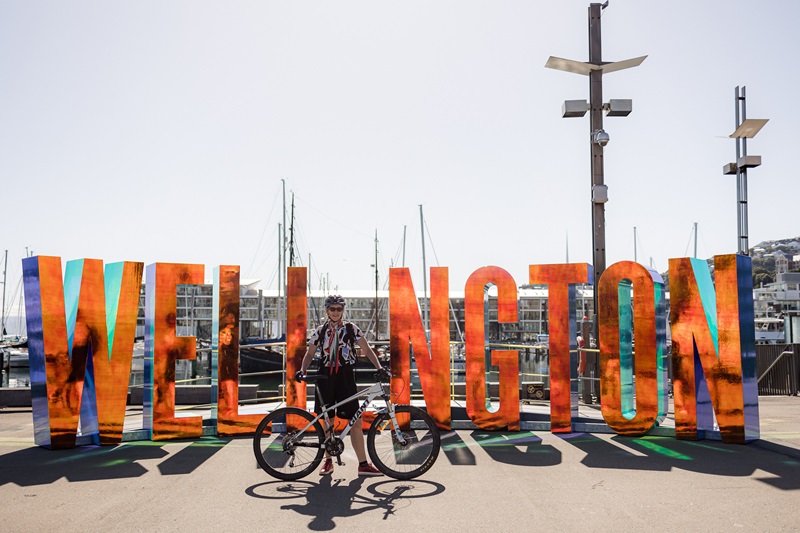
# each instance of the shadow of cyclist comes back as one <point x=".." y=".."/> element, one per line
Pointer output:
<point x="329" y="499"/>
<point x="332" y="498"/>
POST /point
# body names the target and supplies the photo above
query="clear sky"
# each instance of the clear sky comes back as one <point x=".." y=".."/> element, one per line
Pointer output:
<point x="161" y="130"/>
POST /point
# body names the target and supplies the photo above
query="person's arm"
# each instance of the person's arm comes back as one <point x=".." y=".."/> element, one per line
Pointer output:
<point x="366" y="349"/>
<point x="310" y="351"/>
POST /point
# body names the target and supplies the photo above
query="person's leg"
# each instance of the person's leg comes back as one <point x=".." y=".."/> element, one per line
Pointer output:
<point x="357" y="441"/>
<point x="325" y="389"/>
<point x="346" y="387"/>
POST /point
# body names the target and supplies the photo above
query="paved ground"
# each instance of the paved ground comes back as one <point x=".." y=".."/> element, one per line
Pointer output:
<point x="482" y="482"/>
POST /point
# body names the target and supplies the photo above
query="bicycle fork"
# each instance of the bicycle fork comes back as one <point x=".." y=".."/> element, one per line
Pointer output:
<point x="393" y="417"/>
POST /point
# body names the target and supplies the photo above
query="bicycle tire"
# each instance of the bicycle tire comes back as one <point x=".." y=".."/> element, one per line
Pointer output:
<point x="403" y="461"/>
<point x="275" y="458"/>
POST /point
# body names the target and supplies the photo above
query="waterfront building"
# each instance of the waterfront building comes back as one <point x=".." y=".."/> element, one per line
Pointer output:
<point x="262" y="313"/>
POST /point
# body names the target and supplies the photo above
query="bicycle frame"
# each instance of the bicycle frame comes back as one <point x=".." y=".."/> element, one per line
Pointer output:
<point x="374" y="390"/>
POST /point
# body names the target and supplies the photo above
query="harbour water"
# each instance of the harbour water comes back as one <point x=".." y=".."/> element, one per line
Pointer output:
<point x="533" y="367"/>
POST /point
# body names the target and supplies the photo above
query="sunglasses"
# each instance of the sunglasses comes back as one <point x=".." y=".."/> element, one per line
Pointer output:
<point x="336" y="309"/>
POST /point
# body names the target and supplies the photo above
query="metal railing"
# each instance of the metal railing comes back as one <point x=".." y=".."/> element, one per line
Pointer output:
<point x="777" y="368"/>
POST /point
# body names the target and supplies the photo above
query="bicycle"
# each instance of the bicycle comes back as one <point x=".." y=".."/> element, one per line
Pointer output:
<point x="290" y="442"/>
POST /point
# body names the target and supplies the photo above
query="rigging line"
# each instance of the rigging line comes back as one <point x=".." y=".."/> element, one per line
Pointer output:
<point x="268" y="256"/>
<point x="274" y="274"/>
<point x="449" y="301"/>
<point x="686" y="251"/>
<point x="300" y="236"/>
<point x="13" y="299"/>
<point x="332" y="219"/>
<point x="703" y="240"/>
<point x="263" y="231"/>
<point x="642" y="251"/>
<point x="398" y="253"/>
<point x="433" y="249"/>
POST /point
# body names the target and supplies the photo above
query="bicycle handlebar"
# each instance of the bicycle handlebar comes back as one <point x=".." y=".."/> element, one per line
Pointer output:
<point x="382" y="374"/>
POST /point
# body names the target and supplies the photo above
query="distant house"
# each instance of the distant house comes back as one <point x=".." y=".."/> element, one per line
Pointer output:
<point x="781" y="263"/>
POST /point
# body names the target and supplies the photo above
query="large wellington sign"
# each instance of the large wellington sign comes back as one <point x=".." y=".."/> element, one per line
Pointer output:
<point x="81" y="329"/>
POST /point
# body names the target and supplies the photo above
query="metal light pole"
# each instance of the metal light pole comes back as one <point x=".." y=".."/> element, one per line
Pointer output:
<point x="594" y="69"/>
<point x="746" y="128"/>
<point x="599" y="188"/>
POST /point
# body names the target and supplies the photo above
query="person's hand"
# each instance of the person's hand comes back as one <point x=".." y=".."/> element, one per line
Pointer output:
<point x="384" y="374"/>
<point x="299" y="376"/>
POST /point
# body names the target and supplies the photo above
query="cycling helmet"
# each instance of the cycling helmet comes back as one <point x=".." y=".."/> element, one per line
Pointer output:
<point x="334" y="299"/>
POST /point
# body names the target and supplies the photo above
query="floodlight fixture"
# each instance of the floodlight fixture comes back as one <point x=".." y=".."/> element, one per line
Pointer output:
<point x="749" y="161"/>
<point x="618" y="108"/>
<point x="574" y="108"/>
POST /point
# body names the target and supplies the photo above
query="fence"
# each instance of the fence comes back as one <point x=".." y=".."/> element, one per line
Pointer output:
<point x="778" y="369"/>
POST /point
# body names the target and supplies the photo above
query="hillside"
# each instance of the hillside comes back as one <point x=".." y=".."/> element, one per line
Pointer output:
<point x="764" y="259"/>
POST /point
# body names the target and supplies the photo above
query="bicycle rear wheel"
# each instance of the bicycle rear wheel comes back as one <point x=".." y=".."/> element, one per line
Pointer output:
<point x="280" y="447"/>
<point x="409" y="460"/>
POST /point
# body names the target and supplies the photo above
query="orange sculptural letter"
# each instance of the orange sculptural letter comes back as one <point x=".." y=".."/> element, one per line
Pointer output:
<point x="561" y="281"/>
<point x="225" y="356"/>
<point x="408" y="335"/>
<point x="163" y="347"/>
<point x="507" y="416"/>
<point x="628" y="290"/>
<point x="296" y="341"/>
<point x="713" y="348"/>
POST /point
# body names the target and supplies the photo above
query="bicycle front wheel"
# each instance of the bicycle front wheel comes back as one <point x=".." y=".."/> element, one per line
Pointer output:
<point x="283" y="449"/>
<point x="408" y="459"/>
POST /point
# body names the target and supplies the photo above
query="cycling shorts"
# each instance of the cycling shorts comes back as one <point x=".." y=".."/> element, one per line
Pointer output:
<point x="339" y="386"/>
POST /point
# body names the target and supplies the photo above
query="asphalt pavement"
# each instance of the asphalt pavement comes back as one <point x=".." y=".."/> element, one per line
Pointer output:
<point x="482" y="481"/>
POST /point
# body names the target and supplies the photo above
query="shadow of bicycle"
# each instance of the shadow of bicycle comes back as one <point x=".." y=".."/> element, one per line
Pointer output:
<point x="333" y="498"/>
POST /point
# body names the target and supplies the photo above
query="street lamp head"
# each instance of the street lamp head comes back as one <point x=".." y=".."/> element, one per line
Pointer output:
<point x="600" y="137"/>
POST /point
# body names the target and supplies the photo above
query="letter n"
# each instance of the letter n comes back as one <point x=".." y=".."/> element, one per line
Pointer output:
<point x="713" y="348"/>
<point x="408" y="336"/>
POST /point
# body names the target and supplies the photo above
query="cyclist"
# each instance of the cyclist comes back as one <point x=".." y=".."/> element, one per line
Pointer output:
<point x="337" y="338"/>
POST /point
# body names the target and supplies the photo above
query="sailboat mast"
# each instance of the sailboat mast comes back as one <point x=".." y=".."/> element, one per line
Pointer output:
<point x="280" y="278"/>
<point x="291" y="235"/>
<point x="377" y="315"/>
<point x="635" y="257"/>
<point x="404" y="245"/>
<point x="424" y="271"/>
<point x="3" y="319"/>
<point x="282" y="264"/>
<point x="695" y="240"/>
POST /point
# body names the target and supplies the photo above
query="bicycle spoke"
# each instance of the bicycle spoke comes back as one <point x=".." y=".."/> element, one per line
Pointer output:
<point x="291" y="453"/>
<point x="409" y="457"/>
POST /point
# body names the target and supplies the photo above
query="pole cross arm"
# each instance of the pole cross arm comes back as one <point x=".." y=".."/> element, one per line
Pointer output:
<point x="584" y="68"/>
